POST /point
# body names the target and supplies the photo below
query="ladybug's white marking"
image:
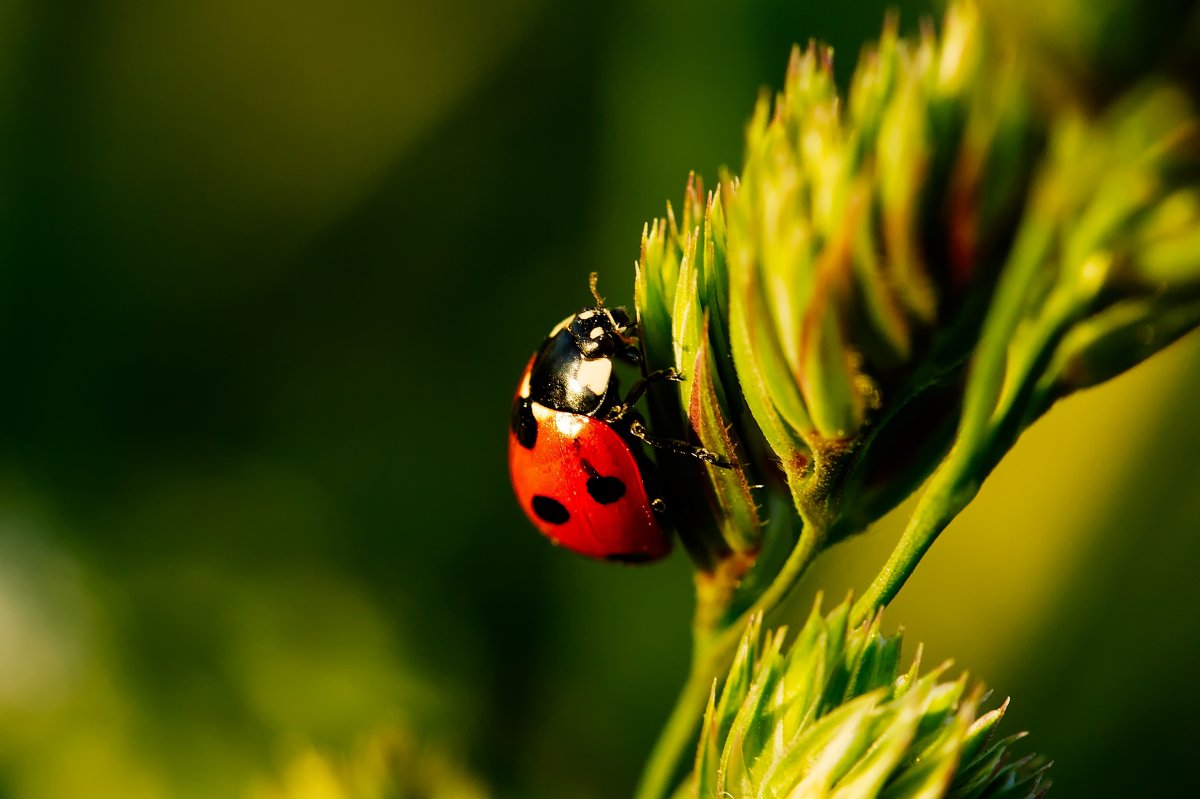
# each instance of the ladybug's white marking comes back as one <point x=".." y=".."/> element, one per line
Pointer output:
<point x="594" y="376"/>
<point x="587" y="315"/>
<point x="597" y="332"/>
<point x="569" y="424"/>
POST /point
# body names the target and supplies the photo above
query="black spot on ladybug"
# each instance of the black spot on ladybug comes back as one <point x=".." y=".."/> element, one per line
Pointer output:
<point x="523" y="425"/>
<point x="605" y="490"/>
<point x="629" y="557"/>
<point x="550" y="510"/>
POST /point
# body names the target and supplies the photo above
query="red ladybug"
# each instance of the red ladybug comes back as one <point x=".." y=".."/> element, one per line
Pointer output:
<point x="577" y="469"/>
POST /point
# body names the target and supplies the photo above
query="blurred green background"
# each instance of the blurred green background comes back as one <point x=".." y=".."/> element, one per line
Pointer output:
<point x="269" y="274"/>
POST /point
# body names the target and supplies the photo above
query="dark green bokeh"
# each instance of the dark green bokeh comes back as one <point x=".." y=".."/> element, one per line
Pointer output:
<point x="269" y="278"/>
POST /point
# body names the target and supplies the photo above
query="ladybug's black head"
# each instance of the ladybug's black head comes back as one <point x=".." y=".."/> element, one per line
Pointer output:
<point x="572" y="371"/>
<point x="601" y="332"/>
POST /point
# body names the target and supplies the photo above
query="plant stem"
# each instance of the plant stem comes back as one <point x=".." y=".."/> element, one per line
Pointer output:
<point x="950" y="489"/>
<point x="711" y="661"/>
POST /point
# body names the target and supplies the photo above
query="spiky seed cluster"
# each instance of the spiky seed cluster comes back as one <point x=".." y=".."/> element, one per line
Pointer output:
<point x="830" y="714"/>
<point x="923" y="268"/>
<point x="804" y="321"/>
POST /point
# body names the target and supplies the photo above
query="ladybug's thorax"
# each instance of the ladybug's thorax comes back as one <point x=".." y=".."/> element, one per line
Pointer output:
<point x="573" y="369"/>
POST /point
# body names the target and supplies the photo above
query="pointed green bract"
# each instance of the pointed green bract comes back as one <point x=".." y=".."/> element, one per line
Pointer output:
<point x="738" y="510"/>
<point x="652" y="278"/>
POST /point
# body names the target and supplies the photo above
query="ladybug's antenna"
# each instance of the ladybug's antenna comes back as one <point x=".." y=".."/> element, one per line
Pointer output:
<point x="593" y="279"/>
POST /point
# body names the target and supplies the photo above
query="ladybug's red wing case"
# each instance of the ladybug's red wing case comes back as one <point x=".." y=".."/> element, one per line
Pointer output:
<point x="579" y="482"/>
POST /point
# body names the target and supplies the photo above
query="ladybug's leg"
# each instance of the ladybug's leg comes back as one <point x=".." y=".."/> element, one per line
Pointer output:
<point x="631" y="353"/>
<point x="637" y="428"/>
<point x="618" y="412"/>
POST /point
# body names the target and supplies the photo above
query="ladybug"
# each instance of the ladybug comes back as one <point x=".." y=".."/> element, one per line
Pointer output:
<point x="573" y="447"/>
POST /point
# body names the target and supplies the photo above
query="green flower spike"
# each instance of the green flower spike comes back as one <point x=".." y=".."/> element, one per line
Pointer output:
<point x="898" y="284"/>
<point x="830" y="714"/>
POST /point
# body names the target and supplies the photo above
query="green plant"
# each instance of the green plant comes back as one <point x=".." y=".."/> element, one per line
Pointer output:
<point x="898" y="284"/>
<point x="835" y="716"/>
